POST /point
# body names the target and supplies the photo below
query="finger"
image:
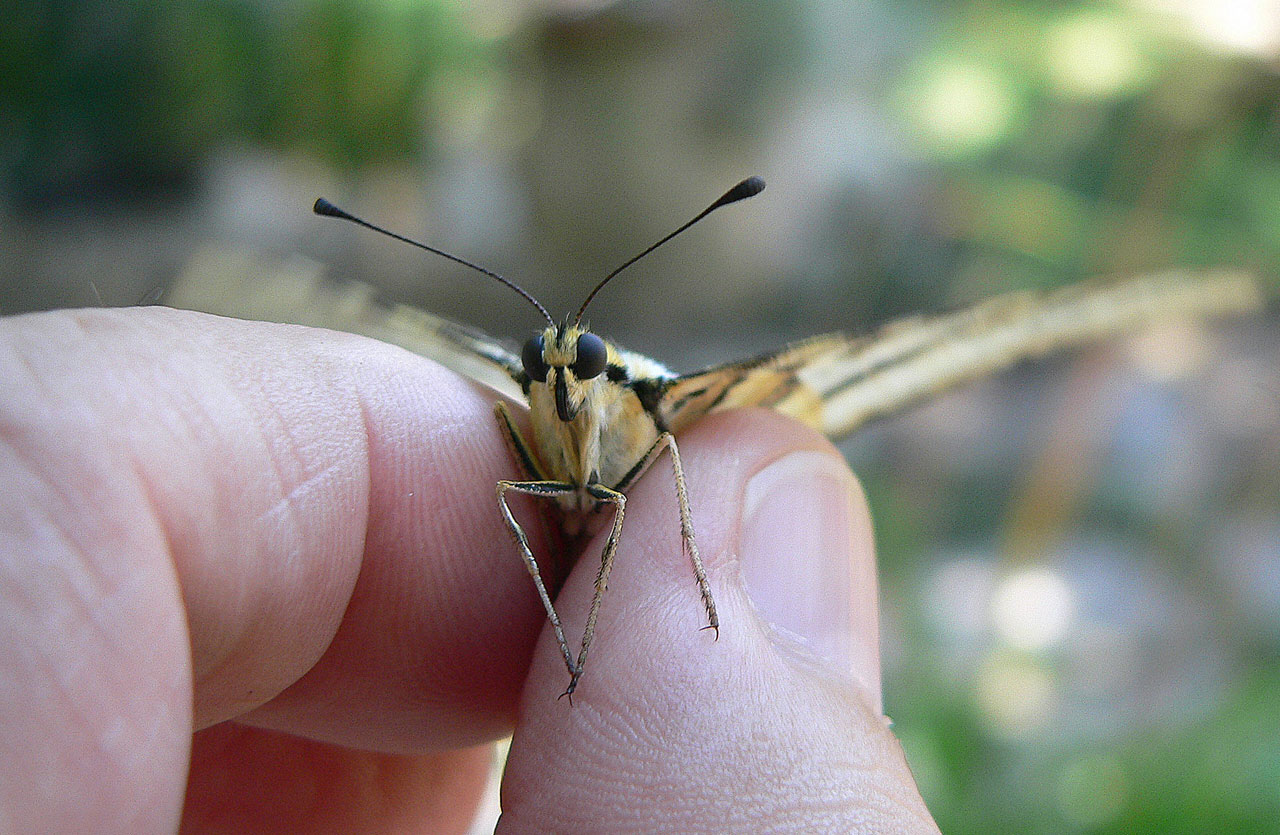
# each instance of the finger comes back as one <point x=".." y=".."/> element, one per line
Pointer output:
<point x="283" y="516"/>
<point x="774" y="726"/>
<point x="316" y="787"/>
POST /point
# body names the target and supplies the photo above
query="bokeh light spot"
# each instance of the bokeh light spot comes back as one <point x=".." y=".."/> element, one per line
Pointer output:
<point x="962" y="107"/>
<point x="1094" y="55"/>
<point x="1032" y="609"/>
<point x="1015" y="695"/>
<point x="1240" y="26"/>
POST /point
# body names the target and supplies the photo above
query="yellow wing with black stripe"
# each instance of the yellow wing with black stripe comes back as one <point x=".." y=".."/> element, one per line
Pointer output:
<point x="837" y="383"/>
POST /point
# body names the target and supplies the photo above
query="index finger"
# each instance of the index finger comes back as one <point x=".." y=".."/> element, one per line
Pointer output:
<point x="325" y="503"/>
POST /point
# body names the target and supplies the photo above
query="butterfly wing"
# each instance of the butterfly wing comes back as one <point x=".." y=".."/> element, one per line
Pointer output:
<point x="774" y="380"/>
<point x="465" y="350"/>
<point x="224" y="282"/>
<point x="834" y="383"/>
<point x="837" y="383"/>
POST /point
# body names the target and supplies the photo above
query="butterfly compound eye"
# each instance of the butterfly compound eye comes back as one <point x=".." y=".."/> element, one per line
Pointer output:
<point x="592" y="357"/>
<point x="531" y="358"/>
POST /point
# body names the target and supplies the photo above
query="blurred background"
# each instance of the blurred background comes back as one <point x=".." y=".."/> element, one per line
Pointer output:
<point x="1080" y="559"/>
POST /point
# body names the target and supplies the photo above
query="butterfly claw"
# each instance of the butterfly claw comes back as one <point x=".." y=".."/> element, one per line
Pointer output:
<point x="575" y="673"/>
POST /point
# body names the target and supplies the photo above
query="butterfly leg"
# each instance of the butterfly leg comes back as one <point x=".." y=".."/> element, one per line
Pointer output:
<point x="546" y="489"/>
<point x="667" y="441"/>
<point x="529" y="465"/>
<point x="601" y="494"/>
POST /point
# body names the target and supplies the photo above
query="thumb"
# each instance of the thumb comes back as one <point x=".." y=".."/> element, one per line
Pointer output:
<point x="774" y="726"/>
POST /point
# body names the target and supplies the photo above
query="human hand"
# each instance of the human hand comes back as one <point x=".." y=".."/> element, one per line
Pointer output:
<point x="275" y="553"/>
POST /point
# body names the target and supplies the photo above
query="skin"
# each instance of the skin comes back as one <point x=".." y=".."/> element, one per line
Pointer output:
<point x="253" y="578"/>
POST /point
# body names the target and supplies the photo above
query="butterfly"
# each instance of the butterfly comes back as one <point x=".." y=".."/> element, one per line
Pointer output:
<point x="601" y="415"/>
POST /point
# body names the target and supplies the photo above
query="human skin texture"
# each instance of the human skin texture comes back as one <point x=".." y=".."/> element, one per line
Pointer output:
<point x="253" y="578"/>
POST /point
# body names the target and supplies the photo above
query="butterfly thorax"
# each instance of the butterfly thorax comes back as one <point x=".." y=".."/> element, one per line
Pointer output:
<point x="608" y="431"/>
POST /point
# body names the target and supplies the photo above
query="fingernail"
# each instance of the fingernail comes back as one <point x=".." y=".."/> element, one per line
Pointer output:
<point x="808" y="561"/>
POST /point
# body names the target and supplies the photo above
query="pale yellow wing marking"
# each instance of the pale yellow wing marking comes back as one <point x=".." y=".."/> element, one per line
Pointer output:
<point x="230" y="284"/>
<point x="837" y="383"/>
<point x="770" y="380"/>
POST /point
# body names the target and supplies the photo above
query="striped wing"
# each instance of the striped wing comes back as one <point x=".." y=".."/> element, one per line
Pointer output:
<point x="837" y="383"/>
<point x="226" y="283"/>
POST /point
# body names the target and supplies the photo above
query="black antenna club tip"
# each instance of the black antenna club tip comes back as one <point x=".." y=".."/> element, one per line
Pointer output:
<point x="324" y="207"/>
<point x="749" y="187"/>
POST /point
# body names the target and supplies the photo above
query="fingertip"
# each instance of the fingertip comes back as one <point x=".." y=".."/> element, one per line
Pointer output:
<point x="807" y="559"/>
<point x="743" y="719"/>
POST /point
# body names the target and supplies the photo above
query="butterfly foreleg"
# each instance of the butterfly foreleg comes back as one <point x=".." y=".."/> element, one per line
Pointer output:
<point x="545" y="489"/>
<point x="531" y="468"/>
<point x="601" y="494"/>
<point x="667" y="441"/>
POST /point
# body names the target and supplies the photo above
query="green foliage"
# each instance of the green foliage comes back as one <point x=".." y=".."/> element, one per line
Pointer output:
<point x="129" y="98"/>
<point x="1086" y="137"/>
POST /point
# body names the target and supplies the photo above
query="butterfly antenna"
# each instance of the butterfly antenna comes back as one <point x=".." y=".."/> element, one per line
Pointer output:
<point x="749" y="187"/>
<point x="324" y="207"/>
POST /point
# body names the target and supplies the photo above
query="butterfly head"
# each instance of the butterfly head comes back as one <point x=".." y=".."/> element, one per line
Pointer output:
<point x="570" y="360"/>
